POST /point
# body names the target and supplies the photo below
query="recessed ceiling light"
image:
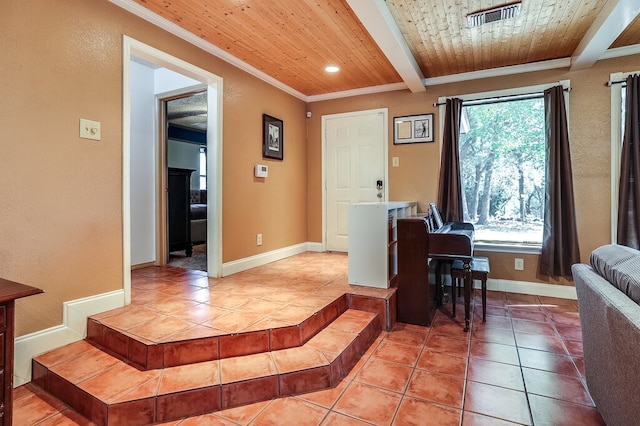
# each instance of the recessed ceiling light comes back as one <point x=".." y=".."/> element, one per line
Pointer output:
<point x="332" y="68"/>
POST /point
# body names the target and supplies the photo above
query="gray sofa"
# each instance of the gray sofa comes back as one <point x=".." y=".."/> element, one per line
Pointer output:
<point x="198" y="216"/>
<point x="608" y="297"/>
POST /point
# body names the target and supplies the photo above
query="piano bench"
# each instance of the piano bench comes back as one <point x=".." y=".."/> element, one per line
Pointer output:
<point x="479" y="271"/>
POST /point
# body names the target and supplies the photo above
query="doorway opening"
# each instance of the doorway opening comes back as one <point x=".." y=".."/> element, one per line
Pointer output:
<point x="185" y="120"/>
<point x="144" y="181"/>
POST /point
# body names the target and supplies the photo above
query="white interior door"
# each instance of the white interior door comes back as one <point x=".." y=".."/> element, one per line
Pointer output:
<point x="355" y="159"/>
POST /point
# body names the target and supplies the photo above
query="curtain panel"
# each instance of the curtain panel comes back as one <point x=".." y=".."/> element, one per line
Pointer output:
<point x="560" y="247"/>
<point x="629" y="192"/>
<point x="449" y="187"/>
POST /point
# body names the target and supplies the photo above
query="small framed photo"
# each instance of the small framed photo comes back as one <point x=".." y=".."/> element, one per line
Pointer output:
<point x="413" y="129"/>
<point x="272" y="137"/>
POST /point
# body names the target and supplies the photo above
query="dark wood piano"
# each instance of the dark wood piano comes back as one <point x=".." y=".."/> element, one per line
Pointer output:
<point x="424" y="244"/>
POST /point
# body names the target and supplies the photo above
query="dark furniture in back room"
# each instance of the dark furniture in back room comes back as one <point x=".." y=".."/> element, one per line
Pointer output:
<point x="179" y="203"/>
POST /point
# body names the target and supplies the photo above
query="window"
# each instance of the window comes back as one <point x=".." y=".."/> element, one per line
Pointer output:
<point x="502" y="165"/>
<point x="502" y="162"/>
<point x="203" y="167"/>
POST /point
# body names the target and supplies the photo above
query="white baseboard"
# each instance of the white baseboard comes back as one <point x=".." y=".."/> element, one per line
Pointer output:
<point x="73" y="328"/>
<point x="240" y="265"/>
<point x="537" y="289"/>
<point x="315" y="247"/>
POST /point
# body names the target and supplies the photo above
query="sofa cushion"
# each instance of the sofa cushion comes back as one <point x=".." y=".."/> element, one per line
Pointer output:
<point x="620" y="265"/>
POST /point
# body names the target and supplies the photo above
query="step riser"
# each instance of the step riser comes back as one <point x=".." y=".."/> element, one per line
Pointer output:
<point x="212" y="398"/>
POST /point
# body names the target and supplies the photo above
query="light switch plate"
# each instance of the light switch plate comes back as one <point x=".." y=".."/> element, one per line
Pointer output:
<point x="89" y="129"/>
<point x="395" y="161"/>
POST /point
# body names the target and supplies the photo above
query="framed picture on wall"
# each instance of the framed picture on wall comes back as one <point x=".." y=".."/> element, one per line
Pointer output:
<point x="413" y="129"/>
<point x="272" y="137"/>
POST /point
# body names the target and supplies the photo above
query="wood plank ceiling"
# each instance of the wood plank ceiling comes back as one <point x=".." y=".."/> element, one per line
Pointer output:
<point x="293" y="41"/>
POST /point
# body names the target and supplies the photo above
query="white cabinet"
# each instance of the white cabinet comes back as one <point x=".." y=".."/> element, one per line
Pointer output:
<point x="373" y="259"/>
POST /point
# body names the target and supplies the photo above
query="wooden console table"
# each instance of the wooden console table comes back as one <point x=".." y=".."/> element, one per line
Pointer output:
<point x="9" y="292"/>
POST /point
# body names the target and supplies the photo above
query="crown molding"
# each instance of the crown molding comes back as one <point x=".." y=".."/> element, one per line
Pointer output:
<point x="357" y="92"/>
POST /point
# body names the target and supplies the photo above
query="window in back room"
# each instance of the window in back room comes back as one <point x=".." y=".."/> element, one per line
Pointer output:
<point x="502" y="163"/>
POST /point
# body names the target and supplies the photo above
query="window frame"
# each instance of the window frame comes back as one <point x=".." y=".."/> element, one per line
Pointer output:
<point x="515" y="91"/>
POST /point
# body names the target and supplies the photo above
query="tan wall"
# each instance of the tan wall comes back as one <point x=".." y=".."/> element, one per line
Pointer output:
<point x="61" y="214"/>
<point x="417" y="176"/>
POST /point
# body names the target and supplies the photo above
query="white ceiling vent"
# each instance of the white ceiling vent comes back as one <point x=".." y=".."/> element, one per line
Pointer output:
<point x="492" y="15"/>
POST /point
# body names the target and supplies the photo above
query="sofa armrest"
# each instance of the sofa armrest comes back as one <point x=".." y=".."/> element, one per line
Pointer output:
<point x="610" y="335"/>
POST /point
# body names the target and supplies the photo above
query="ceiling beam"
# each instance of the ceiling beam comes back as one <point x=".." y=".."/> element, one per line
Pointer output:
<point x="614" y="17"/>
<point x="378" y="21"/>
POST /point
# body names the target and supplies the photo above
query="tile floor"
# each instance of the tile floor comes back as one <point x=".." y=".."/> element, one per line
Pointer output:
<point x="523" y="366"/>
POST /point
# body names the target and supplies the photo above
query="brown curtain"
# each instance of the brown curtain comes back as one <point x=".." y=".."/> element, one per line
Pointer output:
<point x="559" y="237"/>
<point x="449" y="188"/>
<point x="629" y="196"/>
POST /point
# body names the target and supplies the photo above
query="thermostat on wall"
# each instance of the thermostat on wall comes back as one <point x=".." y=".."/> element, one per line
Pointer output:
<point x="261" y="171"/>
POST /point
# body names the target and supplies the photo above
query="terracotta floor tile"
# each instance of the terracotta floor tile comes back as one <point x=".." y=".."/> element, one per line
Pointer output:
<point x="474" y="419"/>
<point x="200" y="313"/>
<point x="444" y="363"/>
<point x="368" y="403"/>
<point x="531" y="313"/>
<point x="157" y="330"/>
<point x="332" y="341"/>
<point x="244" y="414"/>
<point x="390" y="376"/>
<point x="415" y="411"/>
<point x="299" y="286"/>
<point x="442" y="343"/>
<point x="526" y="326"/>
<point x="397" y="352"/>
<point x="540" y="342"/>
<point x="327" y="397"/>
<point x="203" y="420"/>
<point x="65" y="353"/>
<point x="495" y="373"/>
<point x="494" y="352"/>
<point x="234" y="321"/>
<point x="291" y="411"/>
<point x="300" y="358"/>
<point x="566" y="388"/>
<point x="246" y="367"/>
<point x="190" y="376"/>
<point x="436" y="387"/>
<point x="493" y="335"/>
<point x="35" y="408"/>
<point x="493" y="321"/>
<point x="408" y="334"/>
<point x="118" y="380"/>
<point x="548" y="411"/>
<point x="494" y="401"/>
<point x="94" y="362"/>
<point x="547" y="361"/>
<point x="337" y="419"/>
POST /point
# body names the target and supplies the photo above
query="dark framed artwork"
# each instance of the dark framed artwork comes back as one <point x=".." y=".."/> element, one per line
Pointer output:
<point x="272" y="137"/>
<point x="413" y="129"/>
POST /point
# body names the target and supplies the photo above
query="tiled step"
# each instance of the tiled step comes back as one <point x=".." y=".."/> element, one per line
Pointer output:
<point x="136" y="346"/>
<point x="110" y="391"/>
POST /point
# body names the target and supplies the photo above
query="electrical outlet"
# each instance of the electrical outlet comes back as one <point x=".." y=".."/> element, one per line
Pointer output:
<point x="519" y="264"/>
<point x="259" y="239"/>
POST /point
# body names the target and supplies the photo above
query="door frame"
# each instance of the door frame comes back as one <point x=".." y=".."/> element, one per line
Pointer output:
<point x="162" y="168"/>
<point x="385" y="154"/>
<point x="132" y="47"/>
